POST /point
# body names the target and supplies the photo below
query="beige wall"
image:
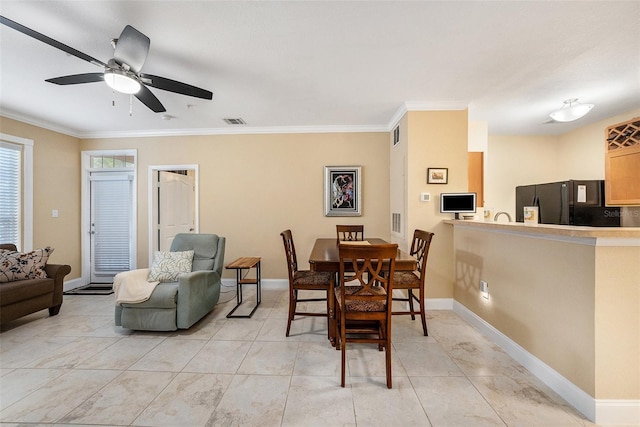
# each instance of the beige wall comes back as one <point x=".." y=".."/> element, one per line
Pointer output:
<point x="541" y="296"/>
<point x="56" y="185"/>
<point x="571" y="303"/>
<point x="617" y="321"/>
<point x="429" y="139"/>
<point x="436" y="139"/>
<point x="252" y="187"/>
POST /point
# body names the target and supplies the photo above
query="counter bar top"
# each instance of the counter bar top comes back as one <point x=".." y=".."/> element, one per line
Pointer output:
<point x="551" y="229"/>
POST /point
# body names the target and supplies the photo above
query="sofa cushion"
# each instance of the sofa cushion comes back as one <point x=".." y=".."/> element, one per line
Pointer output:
<point x="22" y="290"/>
<point x="16" y="265"/>
<point x="167" y="266"/>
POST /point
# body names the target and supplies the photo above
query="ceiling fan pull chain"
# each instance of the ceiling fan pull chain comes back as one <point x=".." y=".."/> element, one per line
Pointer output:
<point x="130" y="105"/>
<point x="113" y="98"/>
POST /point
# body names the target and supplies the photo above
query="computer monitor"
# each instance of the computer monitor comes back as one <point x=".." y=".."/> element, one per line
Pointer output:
<point x="458" y="203"/>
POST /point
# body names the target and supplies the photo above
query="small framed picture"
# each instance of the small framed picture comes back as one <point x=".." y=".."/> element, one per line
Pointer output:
<point x="437" y="175"/>
<point x="342" y="191"/>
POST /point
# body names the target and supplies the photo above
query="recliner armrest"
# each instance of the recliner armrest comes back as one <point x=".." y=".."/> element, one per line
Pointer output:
<point x="197" y="294"/>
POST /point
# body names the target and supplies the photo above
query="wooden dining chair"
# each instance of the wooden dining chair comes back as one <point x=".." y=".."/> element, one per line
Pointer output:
<point x="363" y="300"/>
<point x="306" y="280"/>
<point x="350" y="232"/>
<point x="415" y="280"/>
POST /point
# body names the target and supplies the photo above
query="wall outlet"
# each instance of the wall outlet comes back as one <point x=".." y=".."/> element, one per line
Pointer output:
<point x="425" y="197"/>
<point x="54" y="213"/>
<point x="484" y="289"/>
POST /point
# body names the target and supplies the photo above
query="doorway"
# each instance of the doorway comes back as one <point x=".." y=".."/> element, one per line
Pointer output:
<point x="109" y="206"/>
<point x="173" y="204"/>
<point x="111" y="219"/>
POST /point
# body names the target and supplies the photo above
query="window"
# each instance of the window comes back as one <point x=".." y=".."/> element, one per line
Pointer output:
<point x="16" y="191"/>
<point x="112" y="161"/>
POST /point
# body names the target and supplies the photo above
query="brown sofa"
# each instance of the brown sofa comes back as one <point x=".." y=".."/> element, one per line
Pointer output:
<point x="23" y="297"/>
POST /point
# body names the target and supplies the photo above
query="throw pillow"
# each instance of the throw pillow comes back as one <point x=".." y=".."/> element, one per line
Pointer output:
<point x="16" y="265"/>
<point x="167" y="266"/>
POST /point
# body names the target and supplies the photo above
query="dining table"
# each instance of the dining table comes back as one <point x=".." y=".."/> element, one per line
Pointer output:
<point x="325" y="257"/>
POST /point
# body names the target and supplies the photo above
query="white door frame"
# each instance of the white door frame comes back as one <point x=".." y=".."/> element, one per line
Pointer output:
<point x="152" y="207"/>
<point x="85" y="192"/>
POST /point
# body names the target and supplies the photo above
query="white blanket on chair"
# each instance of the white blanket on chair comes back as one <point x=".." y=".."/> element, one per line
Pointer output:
<point x="132" y="286"/>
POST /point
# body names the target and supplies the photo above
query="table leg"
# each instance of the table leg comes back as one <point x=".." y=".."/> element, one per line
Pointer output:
<point x="332" y="313"/>
<point x="240" y="283"/>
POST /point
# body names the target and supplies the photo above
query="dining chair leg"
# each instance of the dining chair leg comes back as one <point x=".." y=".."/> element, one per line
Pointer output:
<point x="328" y="317"/>
<point x="337" y="332"/>
<point x="293" y="299"/>
<point x="343" y="337"/>
<point x="410" y="298"/>
<point x="388" y="362"/>
<point x="423" y="316"/>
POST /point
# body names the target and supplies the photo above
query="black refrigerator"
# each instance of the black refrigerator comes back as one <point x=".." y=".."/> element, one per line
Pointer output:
<point x="571" y="202"/>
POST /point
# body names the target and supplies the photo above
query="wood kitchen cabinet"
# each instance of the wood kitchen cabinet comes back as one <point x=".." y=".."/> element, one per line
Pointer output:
<point x="622" y="163"/>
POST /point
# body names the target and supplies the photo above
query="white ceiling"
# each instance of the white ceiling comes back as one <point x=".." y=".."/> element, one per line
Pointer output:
<point x="306" y="66"/>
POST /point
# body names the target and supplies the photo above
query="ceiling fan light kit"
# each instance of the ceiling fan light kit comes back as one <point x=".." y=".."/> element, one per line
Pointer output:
<point x="121" y="82"/>
<point x="571" y="110"/>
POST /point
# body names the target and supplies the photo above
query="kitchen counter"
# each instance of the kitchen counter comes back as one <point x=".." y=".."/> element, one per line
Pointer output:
<point x="568" y="296"/>
<point x="552" y="230"/>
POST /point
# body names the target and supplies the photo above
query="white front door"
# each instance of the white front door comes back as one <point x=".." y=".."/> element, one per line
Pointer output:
<point x="111" y="220"/>
<point x="176" y="205"/>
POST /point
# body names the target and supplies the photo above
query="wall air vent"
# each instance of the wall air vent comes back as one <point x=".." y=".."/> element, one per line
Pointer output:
<point x="234" y="121"/>
<point x="396" y="135"/>
<point x="396" y="224"/>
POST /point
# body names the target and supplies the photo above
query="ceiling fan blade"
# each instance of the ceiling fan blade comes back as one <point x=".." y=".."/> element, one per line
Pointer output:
<point x="149" y="99"/>
<point x="51" y="42"/>
<point x="132" y="48"/>
<point x="175" y="86"/>
<point x="77" y="79"/>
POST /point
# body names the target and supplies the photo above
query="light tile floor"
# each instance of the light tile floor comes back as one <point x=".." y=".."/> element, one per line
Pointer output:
<point x="77" y="368"/>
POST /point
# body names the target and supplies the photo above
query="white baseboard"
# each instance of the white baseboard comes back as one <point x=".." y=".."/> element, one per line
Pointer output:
<point x="618" y="412"/>
<point x="72" y="284"/>
<point x="601" y="411"/>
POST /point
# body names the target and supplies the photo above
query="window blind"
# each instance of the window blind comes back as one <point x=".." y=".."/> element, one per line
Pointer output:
<point x="10" y="192"/>
<point x="112" y="220"/>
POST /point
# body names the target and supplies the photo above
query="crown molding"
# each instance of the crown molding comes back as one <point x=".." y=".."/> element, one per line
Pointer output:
<point x="40" y="123"/>
<point x="243" y="130"/>
<point x="424" y="106"/>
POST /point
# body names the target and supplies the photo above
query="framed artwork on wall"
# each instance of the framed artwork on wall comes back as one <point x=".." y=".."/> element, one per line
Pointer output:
<point x="437" y="175"/>
<point x="342" y="191"/>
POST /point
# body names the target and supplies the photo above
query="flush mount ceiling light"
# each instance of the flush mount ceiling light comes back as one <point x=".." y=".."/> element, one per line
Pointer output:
<point x="571" y="110"/>
<point x="120" y="81"/>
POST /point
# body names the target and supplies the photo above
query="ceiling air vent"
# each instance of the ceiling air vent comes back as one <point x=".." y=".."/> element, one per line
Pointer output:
<point x="236" y="121"/>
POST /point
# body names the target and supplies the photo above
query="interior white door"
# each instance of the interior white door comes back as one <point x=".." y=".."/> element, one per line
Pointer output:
<point x="111" y="224"/>
<point x="176" y="206"/>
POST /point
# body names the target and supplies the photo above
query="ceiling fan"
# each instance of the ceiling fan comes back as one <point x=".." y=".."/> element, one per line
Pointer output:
<point x="122" y="72"/>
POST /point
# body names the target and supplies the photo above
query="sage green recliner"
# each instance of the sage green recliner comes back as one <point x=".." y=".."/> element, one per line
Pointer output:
<point x="178" y="305"/>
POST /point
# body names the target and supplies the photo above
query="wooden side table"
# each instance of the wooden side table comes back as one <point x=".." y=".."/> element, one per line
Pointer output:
<point x="240" y="264"/>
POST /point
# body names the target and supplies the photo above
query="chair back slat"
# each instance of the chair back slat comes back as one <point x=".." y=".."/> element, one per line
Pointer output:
<point x="349" y="232"/>
<point x="290" y="253"/>
<point x="366" y="271"/>
<point x="420" y="248"/>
